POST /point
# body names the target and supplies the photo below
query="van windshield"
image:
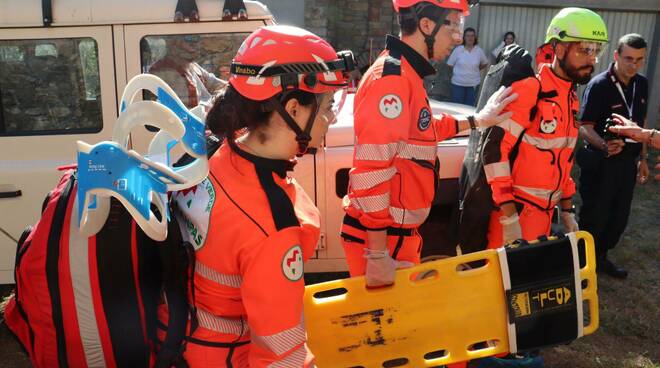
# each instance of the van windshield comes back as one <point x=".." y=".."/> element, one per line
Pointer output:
<point x="196" y="66"/>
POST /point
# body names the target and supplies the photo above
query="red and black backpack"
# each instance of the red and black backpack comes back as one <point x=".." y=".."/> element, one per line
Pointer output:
<point x="83" y="302"/>
<point x="90" y="302"/>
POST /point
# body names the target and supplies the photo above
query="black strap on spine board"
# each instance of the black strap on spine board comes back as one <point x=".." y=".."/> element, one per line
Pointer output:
<point x="543" y="300"/>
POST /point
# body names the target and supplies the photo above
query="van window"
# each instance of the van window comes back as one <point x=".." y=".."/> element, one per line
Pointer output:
<point x="49" y="87"/>
<point x="45" y="49"/>
<point x="11" y="54"/>
<point x="196" y="66"/>
<point x="90" y="68"/>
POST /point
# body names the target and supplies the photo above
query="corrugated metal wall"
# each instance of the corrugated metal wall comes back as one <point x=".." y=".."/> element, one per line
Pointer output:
<point x="530" y="24"/>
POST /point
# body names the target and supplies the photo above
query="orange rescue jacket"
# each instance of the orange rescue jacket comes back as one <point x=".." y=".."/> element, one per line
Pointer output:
<point x="541" y="172"/>
<point x="252" y="231"/>
<point x="394" y="175"/>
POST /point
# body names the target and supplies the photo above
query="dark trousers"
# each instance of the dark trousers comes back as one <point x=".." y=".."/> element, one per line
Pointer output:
<point x="464" y="95"/>
<point x="606" y="187"/>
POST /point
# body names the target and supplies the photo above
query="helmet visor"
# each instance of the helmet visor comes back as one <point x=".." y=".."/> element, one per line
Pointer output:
<point x="339" y="101"/>
<point x="455" y="24"/>
<point x="589" y="49"/>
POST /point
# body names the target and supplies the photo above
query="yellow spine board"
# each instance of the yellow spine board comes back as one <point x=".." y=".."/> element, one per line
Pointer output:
<point x="589" y="283"/>
<point x="435" y="314"/>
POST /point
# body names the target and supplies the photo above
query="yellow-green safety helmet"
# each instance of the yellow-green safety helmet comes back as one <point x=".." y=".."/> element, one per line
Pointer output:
<point x="575" y="25"/>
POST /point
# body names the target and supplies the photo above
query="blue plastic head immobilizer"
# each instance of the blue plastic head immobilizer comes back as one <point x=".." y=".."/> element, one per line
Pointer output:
<point x="194" y="137"/>
<point x="192" y="141"/>
<point x="108" y="170"/>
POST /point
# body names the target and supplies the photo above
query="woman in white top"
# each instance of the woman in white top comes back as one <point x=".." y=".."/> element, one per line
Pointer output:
<point x="466" y="61"/>
<point x="508" y="39"/>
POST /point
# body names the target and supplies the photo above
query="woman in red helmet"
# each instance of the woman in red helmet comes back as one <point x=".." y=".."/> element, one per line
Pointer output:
<point x="248" y="287"/>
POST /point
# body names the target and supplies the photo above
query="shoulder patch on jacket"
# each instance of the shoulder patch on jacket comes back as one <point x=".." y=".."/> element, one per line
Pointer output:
<point x="292" y="263"/>
<point x="195" y="205"/>
<point x="390" y="106"/>
<point x="391" y="66"/>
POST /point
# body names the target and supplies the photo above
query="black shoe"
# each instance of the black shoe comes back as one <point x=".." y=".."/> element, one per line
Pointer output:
<point x="613" y="270"/>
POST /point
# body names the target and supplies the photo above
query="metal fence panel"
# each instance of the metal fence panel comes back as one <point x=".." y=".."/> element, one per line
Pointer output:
<point x="530" y="24"/>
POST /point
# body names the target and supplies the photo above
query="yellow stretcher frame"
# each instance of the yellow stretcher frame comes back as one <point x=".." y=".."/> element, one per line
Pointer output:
<point x="401" y="325"/>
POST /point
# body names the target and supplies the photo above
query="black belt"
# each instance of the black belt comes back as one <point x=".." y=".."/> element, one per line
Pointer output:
<point x="395" y="231"/>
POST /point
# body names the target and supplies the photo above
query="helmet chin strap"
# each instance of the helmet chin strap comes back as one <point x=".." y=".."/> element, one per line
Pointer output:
<point x="429" y="39"/>
<point x="303" y="136"/>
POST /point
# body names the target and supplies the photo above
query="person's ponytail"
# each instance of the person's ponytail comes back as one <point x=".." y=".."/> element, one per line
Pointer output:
<point x="231" y="112"/>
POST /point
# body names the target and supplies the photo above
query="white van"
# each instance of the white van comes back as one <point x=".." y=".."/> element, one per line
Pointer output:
<point x="60" y="82"/>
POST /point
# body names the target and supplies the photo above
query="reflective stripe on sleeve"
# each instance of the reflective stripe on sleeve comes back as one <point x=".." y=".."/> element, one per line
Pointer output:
<point x="371" y="203"/>
<point x="409" y="217"/>
<point x="283" y="341"/>
<point x="221" y="278"/>
<point x="512" y="127"/>
<point x="497" y="169"/>
<point x="419" y="152"/>
<point x="371" y="179"/>
<point x="295" y="359"/>
<point x="386" y="152"/>
<point x="375" y="152"/>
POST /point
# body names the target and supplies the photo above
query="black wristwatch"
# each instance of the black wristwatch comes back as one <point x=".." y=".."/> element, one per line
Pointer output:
<point x="569" y="210"/>
<point x="472" y="122"/>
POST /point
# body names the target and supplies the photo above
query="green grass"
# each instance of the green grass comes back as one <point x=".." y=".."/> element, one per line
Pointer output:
<point x="629" y="333"/>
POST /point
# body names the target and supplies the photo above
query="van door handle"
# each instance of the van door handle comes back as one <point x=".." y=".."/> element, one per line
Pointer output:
<point x="11" y="193"/>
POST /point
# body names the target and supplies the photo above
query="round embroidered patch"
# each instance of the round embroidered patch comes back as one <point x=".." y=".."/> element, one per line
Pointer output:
<point x="549" y="127"/>
<point x="424" y="120"/>
<point x="194" y="215"/>
<point x="292" y="263"/>
<point x="390" y="106"/>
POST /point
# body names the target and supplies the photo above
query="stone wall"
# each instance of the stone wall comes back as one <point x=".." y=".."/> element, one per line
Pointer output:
<point x="316" y="19"/>
<point x="357" y="25"/>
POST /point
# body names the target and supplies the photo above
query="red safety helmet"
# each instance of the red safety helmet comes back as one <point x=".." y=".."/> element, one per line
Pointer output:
<point x="278" y="58"/>
<point x="274" y="60"/>
<point x="462" y="5"/>
<point x="436" y="10"/>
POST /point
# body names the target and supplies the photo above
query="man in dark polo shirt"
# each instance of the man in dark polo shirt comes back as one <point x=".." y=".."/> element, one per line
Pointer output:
<point x="610" y="166"/>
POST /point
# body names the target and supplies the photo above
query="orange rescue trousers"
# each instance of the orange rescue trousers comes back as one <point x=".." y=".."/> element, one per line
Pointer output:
<point x="403" y="244"/>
